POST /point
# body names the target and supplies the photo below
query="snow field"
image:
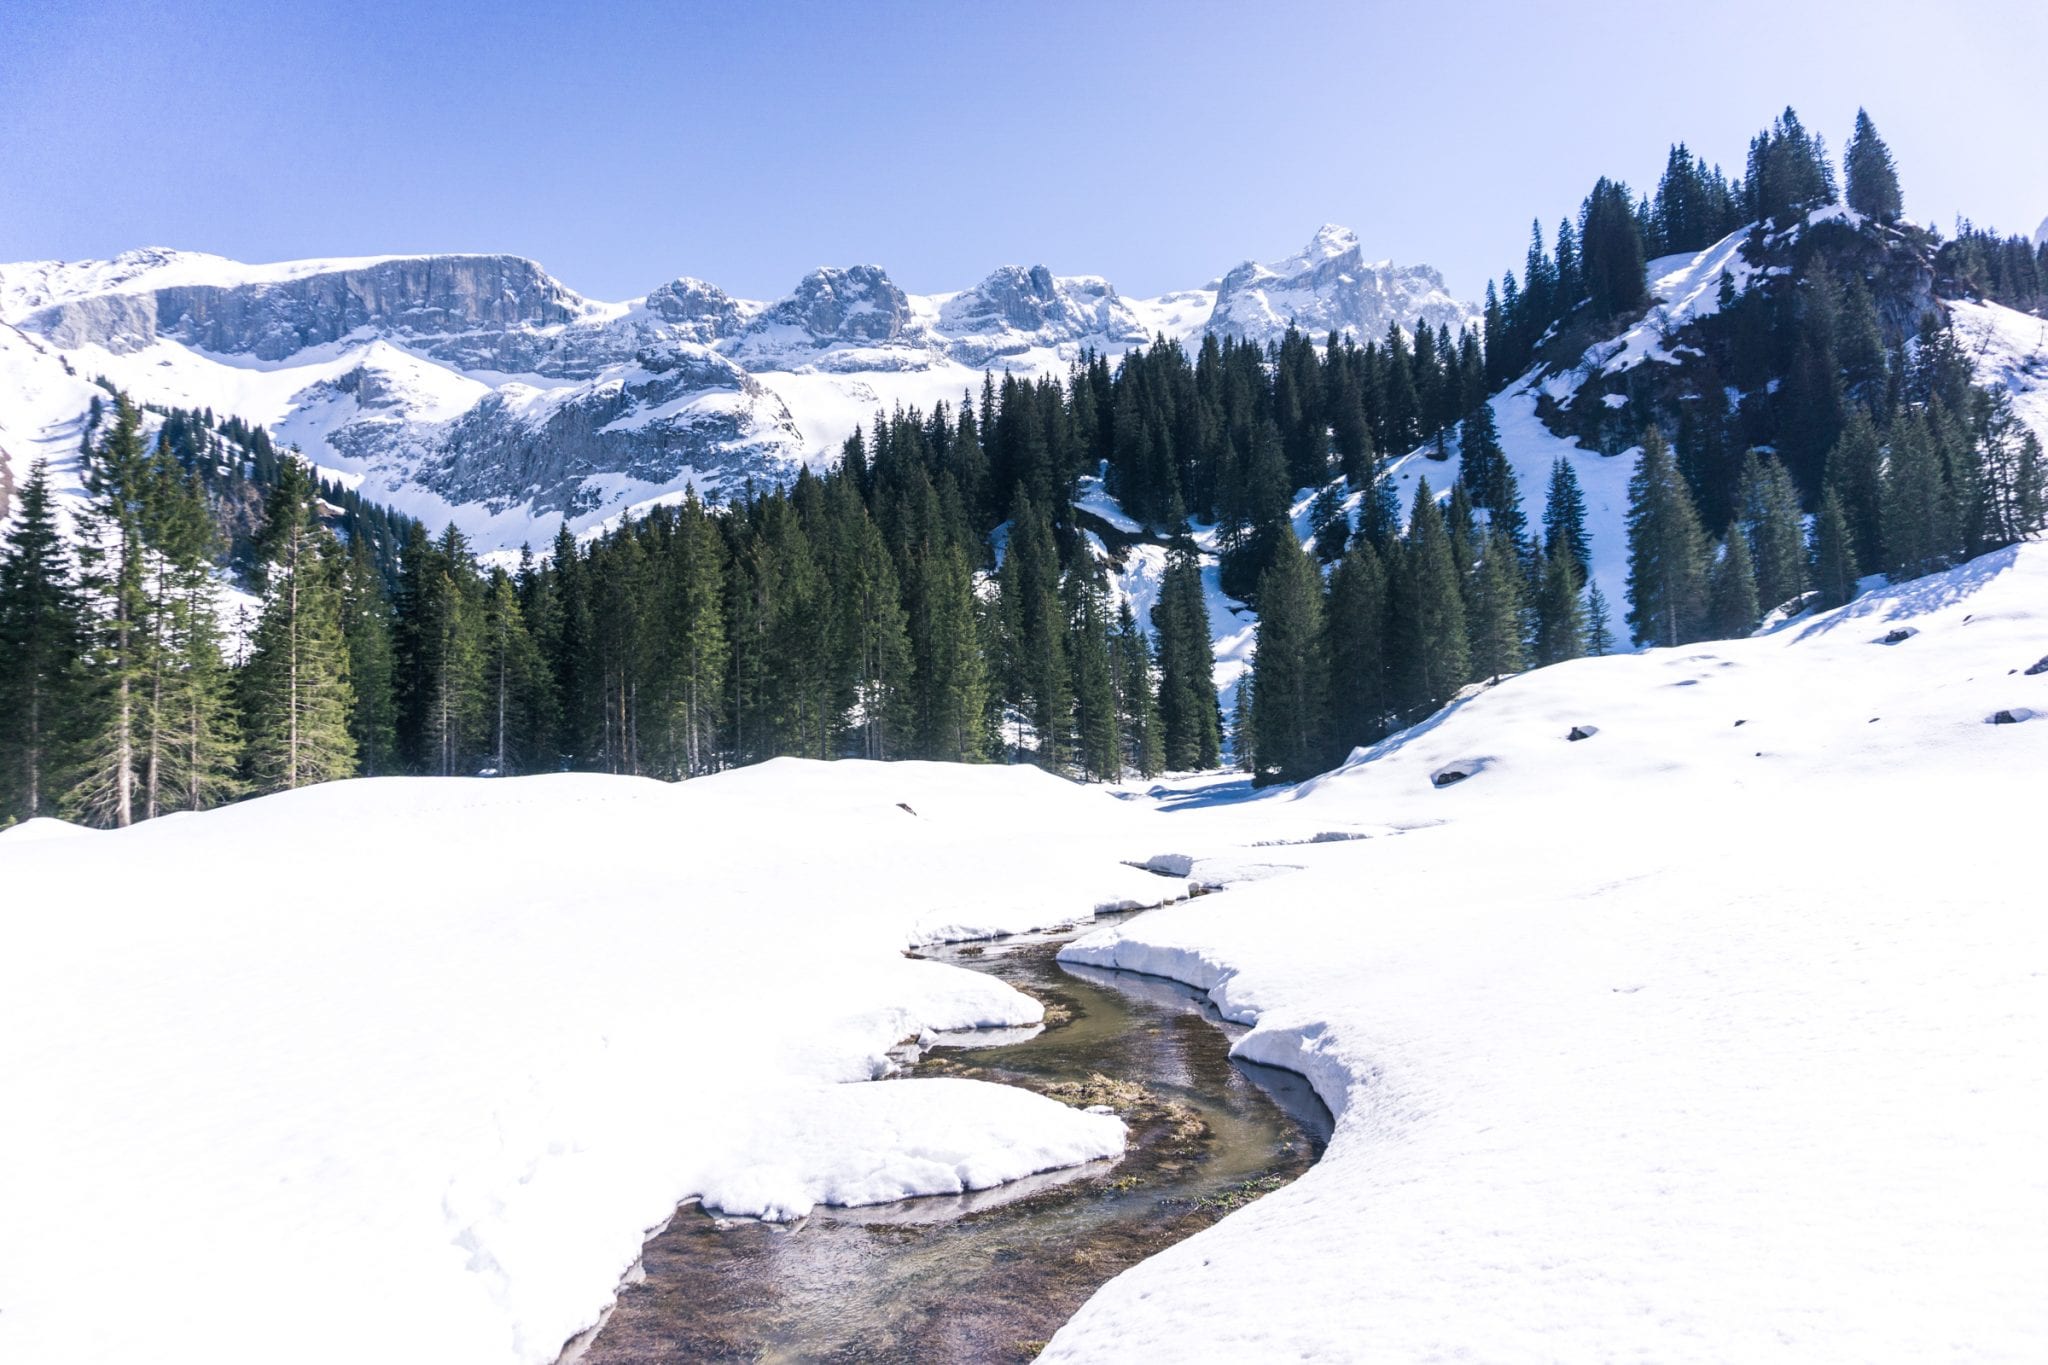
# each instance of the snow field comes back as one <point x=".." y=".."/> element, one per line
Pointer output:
<point x="1692" y="1040"/>
<point x="410" y="1065"/>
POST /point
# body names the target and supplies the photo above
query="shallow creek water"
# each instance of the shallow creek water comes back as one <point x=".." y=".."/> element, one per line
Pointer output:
<point x="989" y="1276"/>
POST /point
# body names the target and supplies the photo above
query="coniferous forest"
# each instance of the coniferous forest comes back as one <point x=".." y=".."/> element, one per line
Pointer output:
<point x="941" y="594"/>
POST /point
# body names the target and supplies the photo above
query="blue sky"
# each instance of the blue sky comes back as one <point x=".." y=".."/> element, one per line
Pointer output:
<point x="1157" y="144"/>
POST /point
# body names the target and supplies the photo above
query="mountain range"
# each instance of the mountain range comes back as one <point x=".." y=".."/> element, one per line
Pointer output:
<point x="481" y="390"/>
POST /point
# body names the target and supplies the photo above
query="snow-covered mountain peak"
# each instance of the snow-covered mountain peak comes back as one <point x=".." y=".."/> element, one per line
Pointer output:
<point x="1331" y="240"/>
<point x="1019" y="308"/>
<point x="1329" y="286"/>
<point x="2041" y="235"/>
<point x="857" y="303"/>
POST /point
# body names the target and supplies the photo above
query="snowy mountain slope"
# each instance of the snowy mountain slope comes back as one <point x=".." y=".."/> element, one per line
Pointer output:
<point x="480" y="390"/>
<point x="434" y="1103"/>
<point x="1329" y="286"/>
<point x="42" y="416"/>
<point x="2010" y="349"/>
<point x="1717" y="1035"/>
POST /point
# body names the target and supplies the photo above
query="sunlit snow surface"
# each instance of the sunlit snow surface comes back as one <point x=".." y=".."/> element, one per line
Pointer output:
<point x="1719" y="1035"/>
<point x="405" y="1068"/>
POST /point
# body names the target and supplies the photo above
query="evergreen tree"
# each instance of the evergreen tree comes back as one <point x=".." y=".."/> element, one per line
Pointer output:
<point x="513" y="671"/>
<point x="1430" y="649"/>
<point x="42" y="646"/>
<point x="1732" y="604"/>
<point x="1834" y="554"/>
<point x="1560" y="619"/>
<point x="1494" y="615"/>
<point x="296" y="692"/>
<point x="1098" y="739"/>
<point x="1916" y="515"/>
<point x="1189" y="715"/>
<point x="1599" y="634"/>
<point x="1290" y="671"/>
<point x="1666" y="551"/>
<point x="106" y="783"/>
<point x="1855" y="475"/>
<point x="1137" y="705"/>
<point x="1359" y="699"/>
<point x="366" y="630"/>
<point x="1774" y="530"/>
<point x="1564" y="519"/>
<point x="1873" y="181"/>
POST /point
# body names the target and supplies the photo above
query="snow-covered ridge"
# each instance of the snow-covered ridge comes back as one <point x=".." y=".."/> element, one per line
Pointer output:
<point x="479" y="389"/>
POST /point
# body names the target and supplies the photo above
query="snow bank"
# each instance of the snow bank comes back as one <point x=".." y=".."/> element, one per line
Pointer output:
<point x="1718" y="1035"/>
<point x="408" y="1066"/>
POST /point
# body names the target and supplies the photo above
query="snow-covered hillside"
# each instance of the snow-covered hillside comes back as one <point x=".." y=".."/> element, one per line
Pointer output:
<point x="480" y="390"/>
<point x="1718" y="1034"/>
<point x="408" y="1066"/>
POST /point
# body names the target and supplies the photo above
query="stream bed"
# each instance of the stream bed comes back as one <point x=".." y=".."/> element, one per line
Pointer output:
<point x="990" y="1275"/>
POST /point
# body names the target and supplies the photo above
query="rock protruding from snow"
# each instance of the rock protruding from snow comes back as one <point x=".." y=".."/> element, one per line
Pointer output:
<point x="1329" y="286"/>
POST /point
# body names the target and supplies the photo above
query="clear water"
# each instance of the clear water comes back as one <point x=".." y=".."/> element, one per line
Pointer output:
<point x="990" y="1276"/>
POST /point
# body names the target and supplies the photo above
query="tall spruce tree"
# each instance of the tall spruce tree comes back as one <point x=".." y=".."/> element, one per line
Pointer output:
<point x="1359" y="700"/>
<point x="1430" y="648"/>
<point x="1599" y="630"/>
<point x="1189" y="714"/>
<point x="42" y="647"/>
<point x="1834" y="553"/>
<point x="1560" y="618"/>
<point x="1873" y="179"/>
<point x="1494" y="615"/>
<point x="106" y="783"/>
<point x="1290" y="670"/>
<point x="296" y="693"/>
<point x="1564" y="519"/>
<point x="1667" y="557"/>
<point x="1732" y="601"/>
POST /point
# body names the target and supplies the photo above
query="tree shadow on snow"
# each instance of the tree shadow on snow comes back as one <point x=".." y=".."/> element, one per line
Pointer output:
<point x="1920" y="595"/>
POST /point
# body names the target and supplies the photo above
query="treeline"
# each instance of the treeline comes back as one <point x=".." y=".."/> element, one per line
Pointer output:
<point x="2011" y="270"/>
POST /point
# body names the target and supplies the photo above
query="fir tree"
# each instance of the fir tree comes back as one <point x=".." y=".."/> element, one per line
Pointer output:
<point x="112" y="561"/>
<point x="1855" y="474"/>
<point x="1732" y="603"/>
<point x="366" y="630"/>
<point x="1773" y="528"/>
<point x="1098" y="741"/>
<point x="1873" y="181"/>
<point x="296" y="692"/>
<point x="1290" y="670"/>
<point x="1599" y="633"/>
<point x="1560" y="618"/>
<point x="1834" y="553"/>
<point x="1494" y="616"/>
<point x="1428" y="612"/>
<point x="1189" y="715"/>
<point x="1359" y="700"/>
<point x="42" y="647"/>
<point x="1564" y="519"/>
<point x="1137" y="705"/>
<point x="1666" y="551"/>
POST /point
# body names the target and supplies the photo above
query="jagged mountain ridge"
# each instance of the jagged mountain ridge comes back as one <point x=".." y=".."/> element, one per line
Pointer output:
<point x="480" y="389"/>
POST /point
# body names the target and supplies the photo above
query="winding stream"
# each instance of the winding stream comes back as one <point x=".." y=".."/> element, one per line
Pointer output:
<point x="989" y="1276"/>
